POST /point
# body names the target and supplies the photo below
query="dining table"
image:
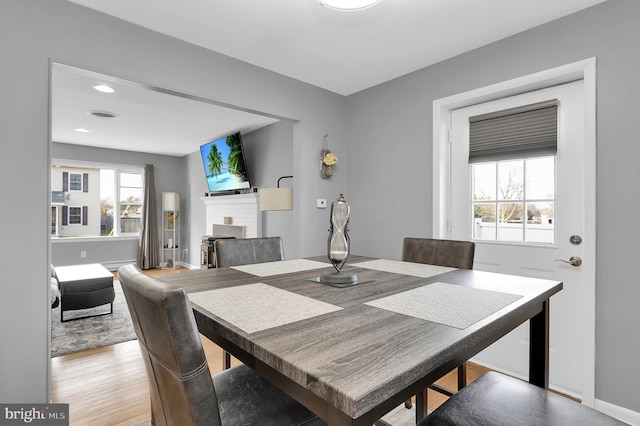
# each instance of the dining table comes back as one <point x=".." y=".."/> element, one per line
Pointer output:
<point x="351" y="353"/>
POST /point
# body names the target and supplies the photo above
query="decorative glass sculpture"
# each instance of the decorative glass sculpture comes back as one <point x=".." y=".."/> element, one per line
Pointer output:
<point x="338" y="243"/>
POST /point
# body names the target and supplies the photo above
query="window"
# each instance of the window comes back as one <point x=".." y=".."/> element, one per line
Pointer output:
<point x="513" y="200"/>
<point x="95" y="200"/>
<point x="512" y="159"/>
<point x="130" y="205"/>
<point x="75" y="215"/>
<point x="75" y="181"/>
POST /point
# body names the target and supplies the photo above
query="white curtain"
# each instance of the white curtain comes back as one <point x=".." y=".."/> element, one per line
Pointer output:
<point x="148" y="247"/>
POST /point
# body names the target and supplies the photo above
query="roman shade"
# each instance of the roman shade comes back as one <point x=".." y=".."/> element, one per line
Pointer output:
<point x="525" y="131"/>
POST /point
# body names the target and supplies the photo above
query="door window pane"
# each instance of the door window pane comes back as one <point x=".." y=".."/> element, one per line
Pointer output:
<point x="510" y="225"/>
<point x="484" y="182"/>
<point x="540" y="222"/>
<point x="510" y="182"/>
<point x="540" y="178"/>
<point x="484" y="221"/>
<point x="513" y="200"/>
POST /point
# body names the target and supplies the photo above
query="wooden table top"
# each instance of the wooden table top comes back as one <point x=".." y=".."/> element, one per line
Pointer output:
<point x="353" y="364"/>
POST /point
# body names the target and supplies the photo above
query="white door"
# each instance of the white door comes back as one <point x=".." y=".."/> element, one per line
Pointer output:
<point x="558" y="225"/>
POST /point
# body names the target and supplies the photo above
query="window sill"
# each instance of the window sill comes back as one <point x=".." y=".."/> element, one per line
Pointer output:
<point x="56" y="240"/>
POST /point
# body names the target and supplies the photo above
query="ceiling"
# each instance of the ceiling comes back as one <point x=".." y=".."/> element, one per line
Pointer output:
<point x="147" y="120"/>
<point x="343" y="52"/>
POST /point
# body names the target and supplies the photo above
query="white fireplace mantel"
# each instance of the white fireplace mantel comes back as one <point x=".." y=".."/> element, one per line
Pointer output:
<point x="239" y="209"/>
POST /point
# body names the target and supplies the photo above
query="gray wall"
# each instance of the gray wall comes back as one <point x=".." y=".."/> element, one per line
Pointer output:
<point x="32" y="34"/>
<point x="269" y="155"/>
<point x="390" y="156"/>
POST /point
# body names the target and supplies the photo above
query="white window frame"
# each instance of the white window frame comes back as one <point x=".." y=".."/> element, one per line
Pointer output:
<point x="117" y="168"/>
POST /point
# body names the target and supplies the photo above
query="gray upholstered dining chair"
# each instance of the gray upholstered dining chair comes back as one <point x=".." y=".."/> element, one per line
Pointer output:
<point x="244" y="251"/>
<point x="181" y="387"/>
<point x="499" y="400"/>
<point x="451" y="253"/>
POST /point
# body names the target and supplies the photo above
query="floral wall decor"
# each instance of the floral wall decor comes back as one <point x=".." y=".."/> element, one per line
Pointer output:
<point x="327" y="160"/>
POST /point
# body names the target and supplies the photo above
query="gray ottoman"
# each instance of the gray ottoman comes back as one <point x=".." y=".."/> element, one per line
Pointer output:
<point x="84" y="286"/>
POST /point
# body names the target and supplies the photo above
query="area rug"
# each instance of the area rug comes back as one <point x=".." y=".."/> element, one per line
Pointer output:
<point x="92" y="332"/>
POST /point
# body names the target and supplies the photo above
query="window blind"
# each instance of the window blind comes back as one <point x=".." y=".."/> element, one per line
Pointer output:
<point x="525" y="131"/>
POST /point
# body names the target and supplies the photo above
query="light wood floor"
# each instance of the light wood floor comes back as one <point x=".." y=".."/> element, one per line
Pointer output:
<point x="108" y="386"/>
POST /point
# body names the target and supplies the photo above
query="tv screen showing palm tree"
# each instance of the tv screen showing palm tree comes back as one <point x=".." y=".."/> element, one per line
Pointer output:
<point x="224" y="164"/>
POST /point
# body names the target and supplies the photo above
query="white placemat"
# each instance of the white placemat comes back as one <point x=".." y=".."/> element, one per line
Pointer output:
<point x="448" y="304"/>
<point x="421" y="270"/>
<point x="281" y="267"/>
<point x="256" y="307"/>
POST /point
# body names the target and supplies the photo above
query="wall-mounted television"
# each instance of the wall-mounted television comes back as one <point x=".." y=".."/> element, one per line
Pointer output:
<point x="224" y="164"/>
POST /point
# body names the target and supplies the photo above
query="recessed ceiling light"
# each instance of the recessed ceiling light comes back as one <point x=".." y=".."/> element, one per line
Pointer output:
<point x="81" y="130"/>
<point x="104" y="88"/>
<point x="102" y="114"/>
<point x="348" y="5"/>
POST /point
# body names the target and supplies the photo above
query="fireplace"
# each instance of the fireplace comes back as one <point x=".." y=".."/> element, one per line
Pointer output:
<point x="235" y="215"/>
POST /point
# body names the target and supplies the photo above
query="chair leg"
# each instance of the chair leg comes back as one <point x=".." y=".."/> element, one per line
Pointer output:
<point x="421" y="406"/>
<point x="462" y="376"/>
<point x="226" y="360"/>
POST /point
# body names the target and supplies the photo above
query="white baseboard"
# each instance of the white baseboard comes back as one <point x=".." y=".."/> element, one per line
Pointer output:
<point x="113" y="266"/>
<point x="189" y="266"/>
<point x="620" y="413"/>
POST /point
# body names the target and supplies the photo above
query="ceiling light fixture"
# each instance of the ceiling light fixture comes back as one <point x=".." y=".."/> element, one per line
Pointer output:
<point x="348" y="5"/>
<point x="102" y="114"/>
<point x="81" y="130"/>
<point x="104" y="88"/>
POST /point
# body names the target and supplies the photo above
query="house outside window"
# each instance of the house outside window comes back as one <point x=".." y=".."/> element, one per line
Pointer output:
<point x="95" y="200"/>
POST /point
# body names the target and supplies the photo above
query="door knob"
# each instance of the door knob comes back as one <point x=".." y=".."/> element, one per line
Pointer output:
<point x="573" y="261"/>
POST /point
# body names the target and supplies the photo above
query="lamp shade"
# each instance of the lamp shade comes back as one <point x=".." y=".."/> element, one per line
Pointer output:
<point x="170" y="201"/>
<point x="273" y="199"/>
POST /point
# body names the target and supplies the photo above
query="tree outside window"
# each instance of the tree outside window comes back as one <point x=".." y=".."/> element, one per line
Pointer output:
<point x="513" y="200"/>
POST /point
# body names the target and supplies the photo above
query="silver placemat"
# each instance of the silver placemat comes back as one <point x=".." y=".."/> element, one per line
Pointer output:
<point x="448" y="304"/>
<point x="281" y="267"/>
<point x="421" y="270"/>
<point x="256" y="307"/>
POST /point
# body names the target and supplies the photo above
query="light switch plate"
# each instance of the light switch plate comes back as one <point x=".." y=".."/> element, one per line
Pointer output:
<point x="321" y="203"/>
